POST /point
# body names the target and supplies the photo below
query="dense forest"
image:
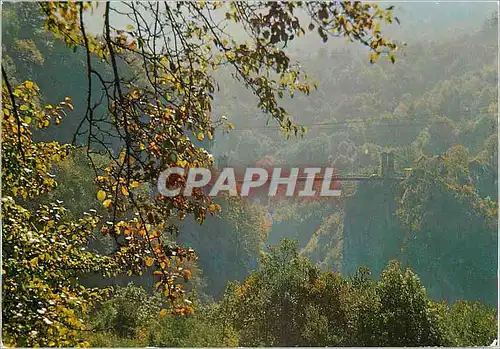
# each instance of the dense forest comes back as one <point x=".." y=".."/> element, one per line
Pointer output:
<point x="98" y="100"/>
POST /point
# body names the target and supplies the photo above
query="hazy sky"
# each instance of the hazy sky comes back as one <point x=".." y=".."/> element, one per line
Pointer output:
<point x="418" y="19"/>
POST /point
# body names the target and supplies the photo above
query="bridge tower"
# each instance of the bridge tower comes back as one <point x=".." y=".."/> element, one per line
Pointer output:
<point x="388" y="168"/>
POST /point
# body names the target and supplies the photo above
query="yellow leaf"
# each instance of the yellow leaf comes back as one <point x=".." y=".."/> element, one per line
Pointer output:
<point x="121" y="158"/>
<point x="201" y="136"/>
<point x="374" y="57"/>
<point x="101" y="195"/>
<point x="107" y="203"/>
<point x="124" y="191"/>
<point x="24" y="107"/>
<point x="163" y="312"/>
<point x="28" y="84"/>
<point x="149" y="261"/>
<point x="134" y="184"/>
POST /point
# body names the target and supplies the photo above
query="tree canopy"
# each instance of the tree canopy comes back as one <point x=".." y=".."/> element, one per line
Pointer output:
<point x="148" y="88"/>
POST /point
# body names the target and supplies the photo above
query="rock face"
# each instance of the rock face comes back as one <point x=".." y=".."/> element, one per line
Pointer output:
<point x="372" y="234"/>
<point x="453" y="252"/>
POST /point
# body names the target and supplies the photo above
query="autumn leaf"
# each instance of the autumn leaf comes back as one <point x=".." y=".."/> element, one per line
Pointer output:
<point x="211" y="208"/>
<point x="134" y="184"/>
<point x="101" y="195"/>
<point x="149" y="261"/>
<point x="125" y="191"/>
<point x="187" y="275"/>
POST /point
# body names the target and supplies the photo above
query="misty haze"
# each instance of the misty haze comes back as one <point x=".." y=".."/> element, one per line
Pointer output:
<point x="400" y="100"/>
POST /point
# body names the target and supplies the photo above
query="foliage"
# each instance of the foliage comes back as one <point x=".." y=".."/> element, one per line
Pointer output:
<point x="288" y="300"/>
<point x="42" y="258"/>
<point x="140" y="126"/>
<point x="132" y="317"/>
<point x="176" y="98"/>
<point x="408" y="316"/>
<point x="471" y="324"/>
<point x="150" y="93"/>
<point x="42" y="253"/>
<point x="291" y="301"/>
<point x="127" y="312"/>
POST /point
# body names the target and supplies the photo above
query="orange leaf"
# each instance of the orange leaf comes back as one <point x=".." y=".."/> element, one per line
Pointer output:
<point x="149" y="261"/>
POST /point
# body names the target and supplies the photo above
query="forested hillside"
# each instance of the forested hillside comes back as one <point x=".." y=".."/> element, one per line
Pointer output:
<point x="436" y="110"/>
<point x="93" y="255"/>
